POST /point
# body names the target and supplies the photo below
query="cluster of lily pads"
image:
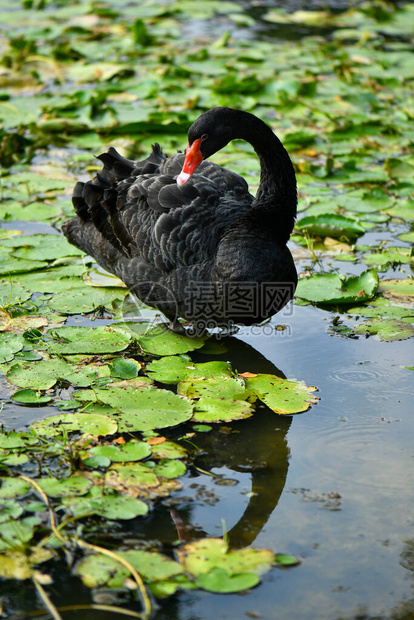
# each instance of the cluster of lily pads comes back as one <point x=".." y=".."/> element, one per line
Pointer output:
<point x="76" y="77"/>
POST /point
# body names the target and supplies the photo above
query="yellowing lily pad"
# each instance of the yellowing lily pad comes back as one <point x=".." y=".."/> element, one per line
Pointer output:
<point x="281" y="395"/>
<point x="202" y="556"/>
<point x="88" y="423"/>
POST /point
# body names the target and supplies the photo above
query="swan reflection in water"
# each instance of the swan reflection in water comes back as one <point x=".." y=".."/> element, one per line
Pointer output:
<point x="255" y="447"/>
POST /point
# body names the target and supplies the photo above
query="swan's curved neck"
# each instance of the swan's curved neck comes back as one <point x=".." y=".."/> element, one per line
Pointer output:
<point x="276" y="197"/>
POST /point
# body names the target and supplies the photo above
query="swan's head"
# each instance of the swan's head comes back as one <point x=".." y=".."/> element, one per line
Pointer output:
<point x="207" y="135"/>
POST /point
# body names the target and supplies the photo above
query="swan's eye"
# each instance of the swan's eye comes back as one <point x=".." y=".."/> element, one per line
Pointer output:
<point x="204" y="137"/>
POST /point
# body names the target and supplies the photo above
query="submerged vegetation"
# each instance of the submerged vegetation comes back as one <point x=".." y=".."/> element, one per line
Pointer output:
<point x="76" y="77"/>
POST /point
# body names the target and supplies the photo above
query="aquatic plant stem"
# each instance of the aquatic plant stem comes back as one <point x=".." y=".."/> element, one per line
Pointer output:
<point x="146" y="602"/>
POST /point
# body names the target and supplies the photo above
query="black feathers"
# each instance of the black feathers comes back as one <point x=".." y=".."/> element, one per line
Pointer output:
<point x="170" y="243"/>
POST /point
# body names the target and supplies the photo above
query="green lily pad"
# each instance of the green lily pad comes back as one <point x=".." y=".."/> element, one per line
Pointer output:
<point x="122" y="368"/>
<point x="220" y="581"/>
<point x="100" y="570"/>
<point x="216" y="387"/>
<point x="12" y="293"/>
<point x="161" y="340"/>
<point x="44" y="374"/>
<point x="401" y="290"/>
<point x="34" y="212"/>
<point x="107" y="505"/>
<point x="85" y="300"/>
<point x="386" y="329"/>
<point x="169" y="369"/>
<point x="338" y="289"/>
<point x="74" y="485"/>
<point x="10" y="265"/>
<point x="30" y="397"/>
<point x="331" y="225"/>
<point x="10" y="509"/>
<point x="10" y="344"/>
<point x="131" y="451"/>
<point x="145" y="409"/>
<point x="281" y="395"/>
<point x="202" y="556"/>
<point x="382" y="308"/>
<point x="53" y="280"/>
<point x="13" y="487"/>
<point x="91" y="340"/>
<point x="43" y="247"/>
<point x="209" y="409"/>
<point x="390" y="255"/>
<point x="89" y="423"/>
<point x="170" y="468"/>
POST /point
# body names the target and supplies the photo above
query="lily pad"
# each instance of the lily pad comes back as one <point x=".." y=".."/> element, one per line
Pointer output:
<point x="131" y="451"/>
<point x="221" y="581"/>
<point x="71" y="340"/>
<point x="43" y="247"/>
<point x="161" y="340"/>
<point x="12" y="293"/>
<point x="74" y="485"/>
<point x="281" y="395"/>
<point x="30" y="397"/>
<point x="44" y="374"/>
<point x="85" y="300"/>
<point x="331" y="225"/>
<point x="10" y="344"/>
<point x="107" y="505"/>
<point x="145" y="409"/>
<point x="89" y="423"/>
<point x="386" y="329"/>
<point x="100" y="570"/>
<point x="400" y="290"/>
<point x="338" y="289"/>
<point x="202" y="556"/>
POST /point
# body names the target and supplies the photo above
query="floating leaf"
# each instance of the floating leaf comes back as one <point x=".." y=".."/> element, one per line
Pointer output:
<point x="386" y="329"/>
<point x="70" y="340"/>
<point x="44" y="374"/>
<point x="74" y="485"/>
<point x="281" y="395"/>
<point x="331" y="225"/>
<point x="131" y="451"/>
<point x="30" y="397"/>
<point x="107" y="505"/>
<point x="12" y="293"/>
<point x="89" y="423"/>
<point x="85" y="300"/>
<point x="10" y="344"/>
<point x="202" y="556"/>
<point x="99" y="570"/>
<point x="145" y="409"/>
<point x="337" y="289"/>
<point x="161" y="340"/>
<point x="221" y="581"/>
<point x="401" y="290"/>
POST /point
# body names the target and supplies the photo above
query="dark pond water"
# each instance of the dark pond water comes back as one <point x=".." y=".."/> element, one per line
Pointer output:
<point x="333" y="486"/>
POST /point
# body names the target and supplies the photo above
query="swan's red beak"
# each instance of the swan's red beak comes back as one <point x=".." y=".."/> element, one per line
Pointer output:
<point x="193" y="158"/>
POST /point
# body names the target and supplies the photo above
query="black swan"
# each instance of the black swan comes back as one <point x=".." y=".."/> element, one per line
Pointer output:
<point x="185" y="235"/>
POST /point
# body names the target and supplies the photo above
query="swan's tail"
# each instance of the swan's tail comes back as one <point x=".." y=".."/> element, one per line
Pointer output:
<point x="96" y="201"/>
